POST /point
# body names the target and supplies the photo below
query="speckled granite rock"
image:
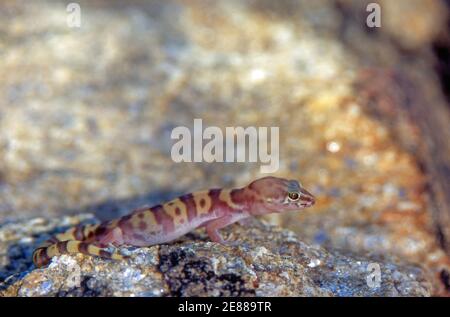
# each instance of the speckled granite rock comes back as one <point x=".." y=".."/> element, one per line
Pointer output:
<point x="269" y="261"/>
<point x="86" y="114"/>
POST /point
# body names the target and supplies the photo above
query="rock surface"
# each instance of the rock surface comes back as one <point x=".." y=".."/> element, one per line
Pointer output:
<point x="268" y="261"/>
<point x="86" y="113"/>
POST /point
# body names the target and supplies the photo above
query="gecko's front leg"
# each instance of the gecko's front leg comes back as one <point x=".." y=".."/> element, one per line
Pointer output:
<point x="213" y="227"/>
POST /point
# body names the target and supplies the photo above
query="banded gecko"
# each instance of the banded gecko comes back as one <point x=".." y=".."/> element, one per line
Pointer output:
<point x="213" y="209"/>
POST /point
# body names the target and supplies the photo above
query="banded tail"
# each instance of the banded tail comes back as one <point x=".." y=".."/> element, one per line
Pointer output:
<point x="74" y="240"/>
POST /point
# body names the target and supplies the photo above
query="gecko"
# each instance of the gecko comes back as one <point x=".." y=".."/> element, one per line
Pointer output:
<point x="212" y="209"/>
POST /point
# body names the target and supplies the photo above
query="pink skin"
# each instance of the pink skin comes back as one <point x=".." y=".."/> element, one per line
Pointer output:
<point x="263" y="196"/>
<point x="212" y="227"/>
<point x="272" y="196"/>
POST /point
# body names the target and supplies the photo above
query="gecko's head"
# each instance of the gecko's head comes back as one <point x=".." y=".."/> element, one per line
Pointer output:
<point x="278" y="195"/>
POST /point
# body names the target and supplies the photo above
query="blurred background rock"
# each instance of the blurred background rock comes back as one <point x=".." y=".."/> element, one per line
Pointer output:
<point x="86" y="113"/>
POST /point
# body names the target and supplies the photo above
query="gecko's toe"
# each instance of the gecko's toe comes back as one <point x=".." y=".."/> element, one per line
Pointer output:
<point x="230" y="243"/>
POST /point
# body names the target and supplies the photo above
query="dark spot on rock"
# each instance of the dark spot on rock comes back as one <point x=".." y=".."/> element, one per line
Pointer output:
<point x="235" y="285"/>
<point x="187" y="275"/>
<point x="89" y="287"/>
<point x="445" y="278"/>
<point x="170" y="260"/>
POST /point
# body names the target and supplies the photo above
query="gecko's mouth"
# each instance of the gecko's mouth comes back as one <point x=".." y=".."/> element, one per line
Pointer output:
<point x="308" y="203"/>
<point x="307" y="199"/>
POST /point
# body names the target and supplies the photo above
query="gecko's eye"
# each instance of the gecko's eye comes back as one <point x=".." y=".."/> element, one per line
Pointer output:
<point x="293" y="196"/>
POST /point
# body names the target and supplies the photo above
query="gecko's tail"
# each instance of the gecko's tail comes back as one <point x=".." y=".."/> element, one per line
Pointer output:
<point x="75" y="240"/>
<point x="43" y="255"/>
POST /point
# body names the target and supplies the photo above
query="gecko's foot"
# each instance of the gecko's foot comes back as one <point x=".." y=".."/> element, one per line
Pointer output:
<point x="230" y="243"/>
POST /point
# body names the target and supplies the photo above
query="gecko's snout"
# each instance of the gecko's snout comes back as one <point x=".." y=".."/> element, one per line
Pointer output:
<point x="307" y="199"/>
